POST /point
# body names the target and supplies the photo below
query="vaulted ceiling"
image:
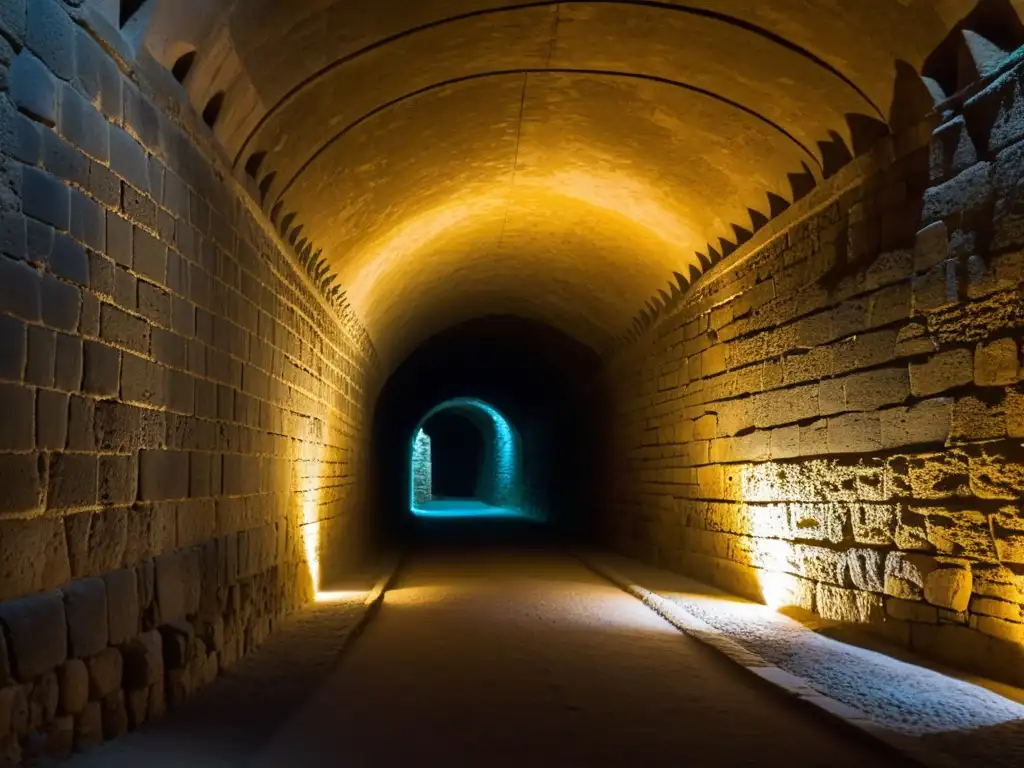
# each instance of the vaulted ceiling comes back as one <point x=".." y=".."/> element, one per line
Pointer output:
<point x="555" y="160"/>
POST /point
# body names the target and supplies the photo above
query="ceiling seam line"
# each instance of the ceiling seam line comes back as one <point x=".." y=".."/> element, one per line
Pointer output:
<point x="503" y="73"/>
<point x="703" y="13"/>
<point x="515" y="164"/>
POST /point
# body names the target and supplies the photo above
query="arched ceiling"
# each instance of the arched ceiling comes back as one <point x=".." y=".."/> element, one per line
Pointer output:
<point x="556" y="160"/>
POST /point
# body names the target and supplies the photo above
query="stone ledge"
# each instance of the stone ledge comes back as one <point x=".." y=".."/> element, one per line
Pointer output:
<point x="782" y="680"/>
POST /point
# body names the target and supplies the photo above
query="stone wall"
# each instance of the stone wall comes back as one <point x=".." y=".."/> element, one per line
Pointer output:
<point x="182" y="413"/>
<point x="833" y="418"/>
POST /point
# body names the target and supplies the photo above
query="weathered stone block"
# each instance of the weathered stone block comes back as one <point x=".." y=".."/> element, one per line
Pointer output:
<point x="996" y="364"/>
<point x="17" y="428"/>
<point x="74" y="481"/>
<point x="37" y="632"/>
<point x="73" y="680"/>
<point x="993" y="476"/>
<point x="124" y="330"/>
<point x="849" y="605"/>
<point x="115" y="716"/>
<point x="944" y="371"/>
<point x="926" y="422"/>
<point x="85" y="607"/>
<point x="910" y="610"/>
<point x="949" y="588"/>
<point x="102" y="369"/>
<point x="122" y="605"/>
<point x="106" y="671"/>
<point x="854" y="433"/>
<point x="33" y="88"/>
<point x="89" y="727"/>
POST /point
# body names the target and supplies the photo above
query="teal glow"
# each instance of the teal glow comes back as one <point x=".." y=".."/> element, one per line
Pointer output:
<point x="499" y="492"/>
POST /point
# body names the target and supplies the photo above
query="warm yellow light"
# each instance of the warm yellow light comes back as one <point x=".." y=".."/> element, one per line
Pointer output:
<point x="342" y="596"/>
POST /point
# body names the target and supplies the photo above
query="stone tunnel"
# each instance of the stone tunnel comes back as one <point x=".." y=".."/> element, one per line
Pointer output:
<point x="727" y="295"/>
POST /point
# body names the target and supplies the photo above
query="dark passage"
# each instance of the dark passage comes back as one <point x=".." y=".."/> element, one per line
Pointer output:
<point x="457" y="455"/>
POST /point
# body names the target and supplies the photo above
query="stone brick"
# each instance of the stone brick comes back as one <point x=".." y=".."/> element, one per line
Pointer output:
<point x="155" y="304"/>
<point x="875" y="389"/>
<point x="118" y="480"/>
<point x="51" y="420"/>
<point x="33" y="88"/>
<point x="85" y="607"/>
<point x="943" y="371"/>
<point x="60" y="304"/>
<point x="122" y="428"/>
<point x="144" y="660"/>
<point x="102" y="369"/>
<point x="115" y="716"/>
<point x="937" y="288"/>
<point x="854" y="433"/>
<point x="68" y="364"/>
<point x="910" y="610"/>
<point x="13" y="348"/>
<point x="948" y="588"/>
<point x="42" y="356"/>
<point x="139" y="207"/>
<point x="143" y="381"/>
<point x="126" y="289"/>
<point x="89" y="727"/>
<point x="925" y="422"/>
<point x="51" y="35"/>
<point x="17" y="428"/>
<point x="73" y="681"/>
<point x="849" y="605"/>
<point x="19" y="290"/>
<point x="120" y="239"/>
<point x="81" y="416"/>
<point x="83" y="126"/>
<point x="97" y="74"/>
<point x="36" y="633"/>
<point x="106" y="671"/>
<point x="967" y="192"/>
<point x="128" y="159"/>
<point x="996" y="363"/>
<point x="73" y="481"/>
<point x="124" y="330"/>
<point x="163" y="475"/>
<point x="150" y="256"/>
<point x="122" y="607"/>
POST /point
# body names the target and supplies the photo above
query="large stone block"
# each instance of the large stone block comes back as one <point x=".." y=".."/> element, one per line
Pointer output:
<point x="33" y="88"/>
<point x="996" y="364"/>
<point x="37" y="632"/>
<point x="949" y="588"/>
<point x="85" y="606"/>
<point x="926" y="422"/>
<point x="163" y="475"/>
<point x="73" y="680"/>
<point x="943" y="371"/>
<point x="144" y="661"/>
<point x="849" y="605"/>
<point x="122" y="605"/>
<point x="106" y="671"/>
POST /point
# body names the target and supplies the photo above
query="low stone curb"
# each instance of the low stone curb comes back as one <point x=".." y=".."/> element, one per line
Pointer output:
<point x="786" y="682"/>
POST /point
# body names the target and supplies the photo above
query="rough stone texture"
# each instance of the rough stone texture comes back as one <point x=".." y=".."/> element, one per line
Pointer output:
<point x="106" y="671"/>
<point x="141" y="288"/>
<point x="875" y="466"/>
<point x="73" y="679"/>
<point x="85" y="607"/>
<point x="37" y="633"/>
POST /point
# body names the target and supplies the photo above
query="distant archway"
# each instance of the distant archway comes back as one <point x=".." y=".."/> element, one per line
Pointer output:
<point x="497" y="488"/>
